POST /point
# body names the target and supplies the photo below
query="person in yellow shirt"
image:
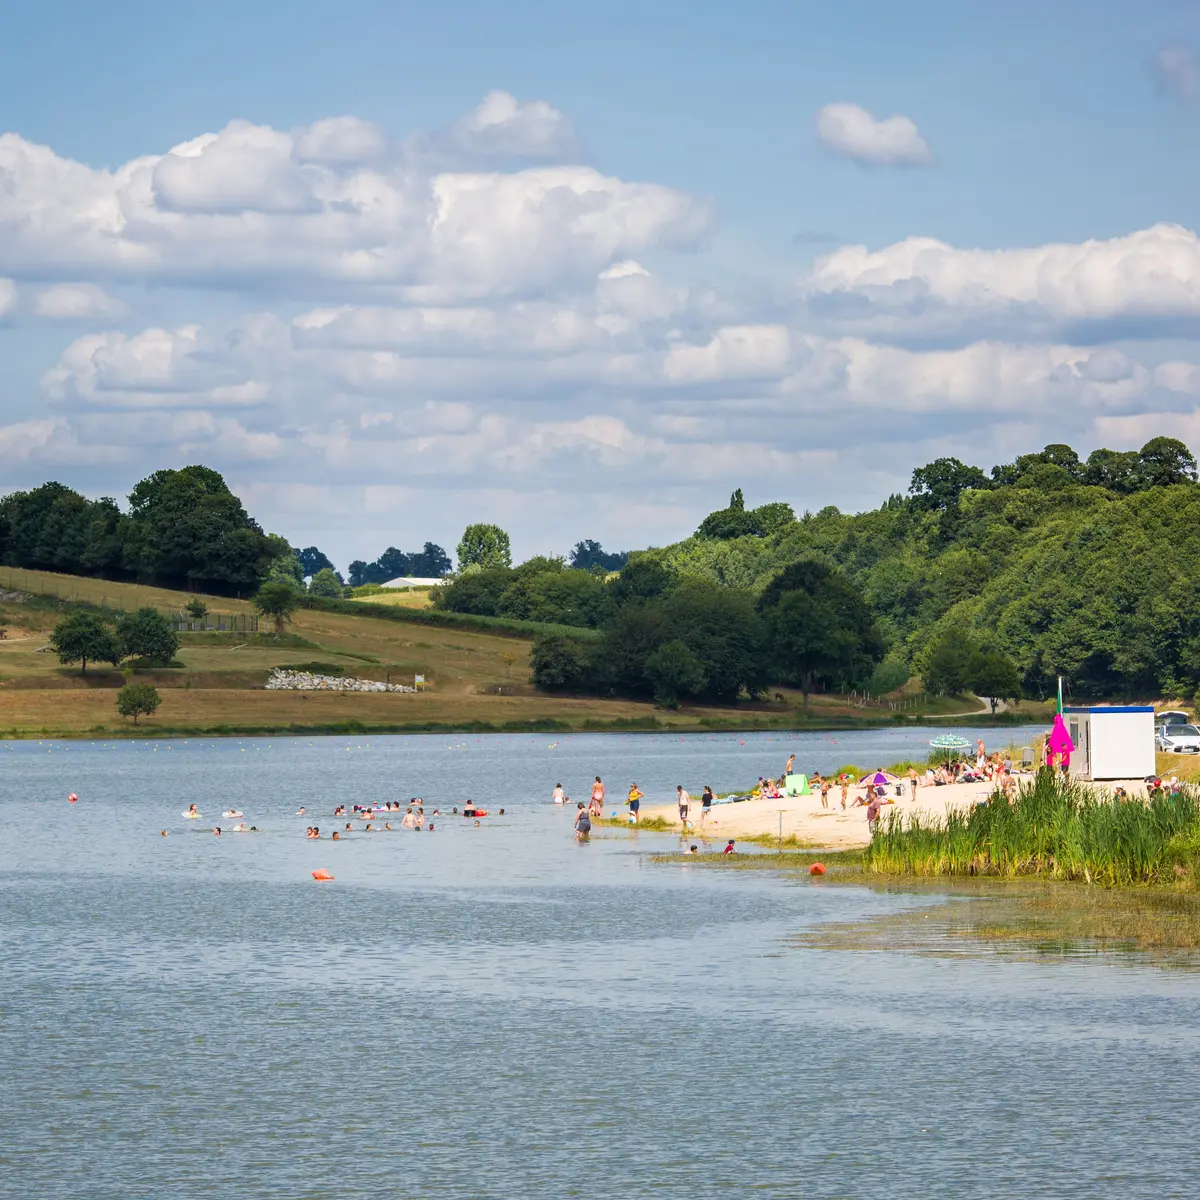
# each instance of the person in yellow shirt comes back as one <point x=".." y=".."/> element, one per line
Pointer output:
<point x="634" y="801"/>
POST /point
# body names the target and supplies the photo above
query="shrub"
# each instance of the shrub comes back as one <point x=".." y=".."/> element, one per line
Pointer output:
<point x="137" y="699"/>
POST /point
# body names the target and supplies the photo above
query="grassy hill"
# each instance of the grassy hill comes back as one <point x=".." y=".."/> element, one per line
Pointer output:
<point x="476" y="679"/>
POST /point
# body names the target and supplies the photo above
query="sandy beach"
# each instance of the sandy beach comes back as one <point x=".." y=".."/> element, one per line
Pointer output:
<point x="833" y="828"/>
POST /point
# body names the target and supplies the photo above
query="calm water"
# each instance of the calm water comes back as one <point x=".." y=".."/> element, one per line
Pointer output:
<point x="499" y="1012"/>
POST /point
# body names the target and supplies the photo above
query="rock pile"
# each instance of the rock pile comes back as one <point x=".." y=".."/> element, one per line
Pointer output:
<point x="304" y="681"/>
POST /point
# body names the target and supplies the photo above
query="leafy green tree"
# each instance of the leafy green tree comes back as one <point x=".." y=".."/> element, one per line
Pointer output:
<point x="138" y="699"/>
<point x="559" y="663"/>
<point x="947" y="670"/>
<point x="1164" y="461"/>
<point x="83" y="636"/>
<point x="674" y="673"/>
<point x="325" y="583"/>
<point x="277" y="599"/>
<point x="487" y="546"/>
<point x="312" y="560"/>
<point x="1116" y="470"/>
<point x="589" y="554"/>
<point x="196" y="609"/>
<point x="188" y="529"/>
<point x="475" y="591"/>
<point x="772" y="518"/>
<point x="993" y="674"/>
<point x="147" y="634"/>
<point x="642" y="578"/>
<point x="939" y="484"/>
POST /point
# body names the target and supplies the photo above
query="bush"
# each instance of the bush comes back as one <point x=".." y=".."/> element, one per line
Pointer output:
<point x="137" y="699"/>
<point x="559" y="663"/>
<point x="674" y="672"/>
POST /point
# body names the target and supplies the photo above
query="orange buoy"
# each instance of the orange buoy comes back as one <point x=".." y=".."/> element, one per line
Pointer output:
<point x="72" y="798"/>
<point x="817" y="869"/>
<point x="322" y="874"/>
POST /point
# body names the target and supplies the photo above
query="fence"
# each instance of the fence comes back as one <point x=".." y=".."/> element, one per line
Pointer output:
<point x="215" y="623"/>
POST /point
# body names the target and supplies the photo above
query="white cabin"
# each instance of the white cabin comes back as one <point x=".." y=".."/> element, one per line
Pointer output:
<point x="1112" y="741"/>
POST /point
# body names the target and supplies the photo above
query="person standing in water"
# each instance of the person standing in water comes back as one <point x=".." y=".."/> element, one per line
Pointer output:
<point x="634" y="801"/>
<point x="597" y="802"/>
<point x="560" y="797"/>
<point x="583" y="823"/>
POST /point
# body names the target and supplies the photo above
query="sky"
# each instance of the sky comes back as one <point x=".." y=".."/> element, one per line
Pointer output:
<point x="583" y="270"/>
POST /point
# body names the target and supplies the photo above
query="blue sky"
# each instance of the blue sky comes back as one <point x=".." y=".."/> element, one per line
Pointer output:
<point x="740" y="360"/>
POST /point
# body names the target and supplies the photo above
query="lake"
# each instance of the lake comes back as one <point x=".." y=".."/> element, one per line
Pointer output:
<point x="497" y="1011"/>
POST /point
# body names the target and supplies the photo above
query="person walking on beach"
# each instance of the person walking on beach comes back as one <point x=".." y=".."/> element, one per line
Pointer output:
<point x="685" y="804"/>
<point x="791" y="763"/>
<point x="634" y="801"/>
<point x="824" y="793"/>
<point x="706" y="803"/>
<point x="845" y="789"/>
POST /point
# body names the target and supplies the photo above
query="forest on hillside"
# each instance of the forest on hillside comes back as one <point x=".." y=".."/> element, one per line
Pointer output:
<point x="1044" y="566"/>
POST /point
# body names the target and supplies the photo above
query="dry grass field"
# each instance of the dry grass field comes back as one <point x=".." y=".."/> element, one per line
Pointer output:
<point x="473" y="679"/>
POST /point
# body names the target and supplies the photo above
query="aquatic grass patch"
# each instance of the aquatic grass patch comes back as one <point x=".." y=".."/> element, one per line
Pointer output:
<point x="1052" y="828"/>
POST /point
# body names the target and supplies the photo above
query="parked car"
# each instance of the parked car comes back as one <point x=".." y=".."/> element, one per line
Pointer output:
<point x="1172" y="716"/>
<point x="1178" y="739"/>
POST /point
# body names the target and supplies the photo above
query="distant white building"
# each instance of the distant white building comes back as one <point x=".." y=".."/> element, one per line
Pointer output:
<point x="411" y="581"/>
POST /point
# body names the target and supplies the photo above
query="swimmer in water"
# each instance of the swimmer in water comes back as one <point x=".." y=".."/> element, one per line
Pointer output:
<point x="337" y="837"/>
<point x="163" y="834"/>
<point x="388" y="826"/>
<point x="502" y="812"/>
<point x="192" y="811"/>
<point x="217" y="830"/>
<point x="430" y="826"/>
<point x="299" y="812"/>
<point x="477" y="823"/>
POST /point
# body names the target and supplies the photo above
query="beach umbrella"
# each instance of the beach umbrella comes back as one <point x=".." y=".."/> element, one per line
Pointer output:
<point x="950" y="741"/>
<point x="878" y="777"/>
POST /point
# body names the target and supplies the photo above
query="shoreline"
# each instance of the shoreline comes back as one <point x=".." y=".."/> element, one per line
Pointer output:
<point x="776" y="723"/>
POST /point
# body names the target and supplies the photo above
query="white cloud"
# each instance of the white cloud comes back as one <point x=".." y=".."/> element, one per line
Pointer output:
<point x="1177" y="66"/>
<point x="8" y="297"/>
<point x="76" y="302"/>
<point x="1147" y="281"/>
<point x="850" y="130"/>
<point x="505" y="127"/>
<point x="328" y="206"/>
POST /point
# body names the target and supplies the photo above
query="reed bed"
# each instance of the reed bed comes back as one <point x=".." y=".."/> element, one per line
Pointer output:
<point x="1052" y="828"/>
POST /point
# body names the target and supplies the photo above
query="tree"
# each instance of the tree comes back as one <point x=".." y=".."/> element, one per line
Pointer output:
<point x="947" y="668"/>
<point x="939" y="484"/>
<point x="993" y="674"/>
<point x="486" y="546"/>
<point x="325" y="583"/>
<point x="431" y="562"/>
<point x="137" y="699"/>
<point x="589" y="554"/>
<point x="278" y="600"/>
<point x="196" y="609"/>
<point x="772" y="518"/>
<point x="819" y="627"/>
<point x="188" y="529"/>
<point x="83" y="636"/>
<point x="1164" y="461"/>
<point x="1116" y="470"/>
<point x="147" y="634"/>
<point x="674" y="673"/>
<point x="312" y="561"/>
<point x="560" y="663"/>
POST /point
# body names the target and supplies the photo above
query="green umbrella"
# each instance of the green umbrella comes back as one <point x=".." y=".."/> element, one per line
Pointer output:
<point x="950" y="741"/>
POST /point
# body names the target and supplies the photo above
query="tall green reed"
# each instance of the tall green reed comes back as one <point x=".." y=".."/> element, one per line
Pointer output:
<point x="1053" y="827"/>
